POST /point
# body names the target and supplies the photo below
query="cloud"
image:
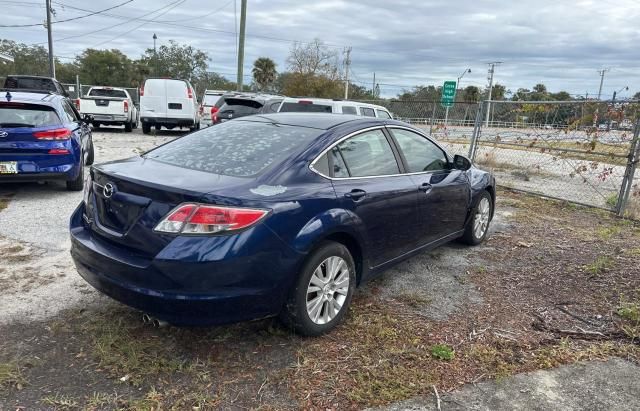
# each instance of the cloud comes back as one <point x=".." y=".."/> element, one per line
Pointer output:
<point x="559" y="43"/>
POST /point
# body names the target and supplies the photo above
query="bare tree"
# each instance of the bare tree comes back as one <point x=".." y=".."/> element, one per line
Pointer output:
<point x="315" y="59"/>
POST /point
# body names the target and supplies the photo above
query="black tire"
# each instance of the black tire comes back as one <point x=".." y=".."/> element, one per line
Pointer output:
<point x="95" y="125"/>
<point x="90" y="154"/>
<point x="78" y="183"/>
<point x="470" y="235"/>
<point x="146" y="128"/>
<point x="128" y="127"/>
<point x="135" y="122"/>
<point x="295" y="314"/>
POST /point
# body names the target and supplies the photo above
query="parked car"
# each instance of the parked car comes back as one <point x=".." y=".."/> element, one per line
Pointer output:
<point x="34" y="83"/>
<point x="42" y="137"/>
<point x="168" y="103"/>
<point x="208" y="105"/>
<point x="324" y="105"/>
<point x="109" y="106"/>
<point x="272" y="214"/>
<point x="235" y="105"/>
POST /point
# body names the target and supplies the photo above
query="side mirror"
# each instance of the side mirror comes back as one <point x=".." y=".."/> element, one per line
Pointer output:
<point x="461" y="162"/>
<point x="87" y="118"/>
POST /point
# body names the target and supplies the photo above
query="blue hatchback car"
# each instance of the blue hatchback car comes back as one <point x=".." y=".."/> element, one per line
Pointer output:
<point x="280" y="214"/>
<point x="42" y="137"/>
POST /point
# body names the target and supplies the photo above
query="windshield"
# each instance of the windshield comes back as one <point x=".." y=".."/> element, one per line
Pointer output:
<point x="103" y="92"/>
<point x="305" y="108"/>
<point x="211" y="99"/>
<point x="23" y="115"/>
<point x="240" y="107"/>
<point x="236" y="148"/>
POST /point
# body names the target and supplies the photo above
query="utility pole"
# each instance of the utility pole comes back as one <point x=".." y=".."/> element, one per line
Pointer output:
<point x="52" y="66"/>
<point x="155" y="55"/>
<point x="347" y="63"/>
<point x="601" y="80"/>
<point x="373" y="85"/>
<point x="492" y="69"/>
<point x="243" y="21"/>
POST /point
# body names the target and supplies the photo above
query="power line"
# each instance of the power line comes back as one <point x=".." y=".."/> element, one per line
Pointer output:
<point x="71" y="19"/>
<point x="176" y="4"/>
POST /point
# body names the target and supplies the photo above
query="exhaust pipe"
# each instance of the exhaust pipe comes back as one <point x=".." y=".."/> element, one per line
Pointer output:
<point x="159" y="323"/>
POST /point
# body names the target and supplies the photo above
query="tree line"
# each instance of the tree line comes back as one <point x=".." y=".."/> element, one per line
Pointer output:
<point x="312" y="69"/>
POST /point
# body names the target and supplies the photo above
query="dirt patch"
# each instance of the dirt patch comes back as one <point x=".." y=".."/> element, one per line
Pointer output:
<point x="555" y="284"/>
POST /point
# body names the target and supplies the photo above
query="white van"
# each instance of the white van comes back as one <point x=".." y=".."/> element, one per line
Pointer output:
<point x="168" y="103"/>
<point x="325" y="105"/>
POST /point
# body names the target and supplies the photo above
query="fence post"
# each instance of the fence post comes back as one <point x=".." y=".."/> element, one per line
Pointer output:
<point x="629" y="174"/>
<point x="475" y="136"/>
<point x="433" y="114"/>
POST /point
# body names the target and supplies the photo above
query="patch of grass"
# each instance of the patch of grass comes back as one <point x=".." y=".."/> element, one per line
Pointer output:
<point x="629" y="312"/>
<point x="442" y="352"/>
<point x="600" y="265"/>
<point x="125" y="351"/>
<point x="4" y="203"/>
<point x="608" y="232"/>
<point x="60" y="402"/>
<point x="612" y="200"/>
<point x="414" y="299"/>
<point x="11" y="376"/>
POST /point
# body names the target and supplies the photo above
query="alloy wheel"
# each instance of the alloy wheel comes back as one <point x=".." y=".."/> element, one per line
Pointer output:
<point x="481" y="219"/>
<point x="327" y="290"/>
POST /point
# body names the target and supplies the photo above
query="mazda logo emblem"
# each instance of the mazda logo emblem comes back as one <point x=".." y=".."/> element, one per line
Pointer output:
<point x="3" y="134"/>
<point x="108" y="190"/>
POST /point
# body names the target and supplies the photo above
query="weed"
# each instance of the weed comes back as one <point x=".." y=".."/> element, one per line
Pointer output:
<point x="11" y="376"/>
<point x="415" y="299"/>
<point x="442" y="352"/>
<point x="607" y="232"/>
<point x="60" y="401"/>
<point x="599" y="266"/>
<point x="629" y="311"/>
<point x="612" y="200"/>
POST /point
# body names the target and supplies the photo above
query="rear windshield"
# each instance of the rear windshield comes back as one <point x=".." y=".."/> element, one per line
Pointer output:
<point x="240" y="107"/>
<point x="102" y="92"/>
<point x="211" y="99"/>
<point x="235" y="148"/>
<point x="30" y="83"/>
<point x="305" y="108"/>
<point x="23" y="115"/>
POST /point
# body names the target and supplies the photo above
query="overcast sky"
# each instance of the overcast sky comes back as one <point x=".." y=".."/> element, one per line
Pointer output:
<point x="561" y="43"/>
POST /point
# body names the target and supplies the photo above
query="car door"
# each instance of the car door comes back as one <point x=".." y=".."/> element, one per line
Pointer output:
<point x="77" y="125"/>
<point x="368" y="181"/>
<point x="445" y="193"/>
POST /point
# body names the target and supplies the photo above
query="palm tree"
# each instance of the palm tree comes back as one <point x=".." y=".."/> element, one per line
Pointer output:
<point x="264" y="73"/>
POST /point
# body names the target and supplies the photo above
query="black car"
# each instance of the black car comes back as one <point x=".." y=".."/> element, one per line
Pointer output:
<point x="34" y="83"/>
<point x="234" y="105"/>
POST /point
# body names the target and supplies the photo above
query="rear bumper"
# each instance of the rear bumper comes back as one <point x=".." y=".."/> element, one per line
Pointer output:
<point x="168" y="120"/>
<point x="110" y="118"/>
<point x="49" y="168"/>
<point x="184" y="287"/>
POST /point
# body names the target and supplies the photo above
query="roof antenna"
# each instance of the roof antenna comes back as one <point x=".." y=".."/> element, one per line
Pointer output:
<point x="8" y="96"/>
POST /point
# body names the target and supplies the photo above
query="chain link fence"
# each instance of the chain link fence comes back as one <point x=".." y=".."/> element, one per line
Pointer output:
<point x="584" y="152"/>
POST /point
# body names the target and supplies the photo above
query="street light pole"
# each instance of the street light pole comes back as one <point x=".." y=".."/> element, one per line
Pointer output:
<point x="243" y="23"/>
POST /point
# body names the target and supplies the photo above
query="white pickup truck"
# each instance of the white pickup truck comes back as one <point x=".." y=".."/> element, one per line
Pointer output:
<point x="109" y="106"/>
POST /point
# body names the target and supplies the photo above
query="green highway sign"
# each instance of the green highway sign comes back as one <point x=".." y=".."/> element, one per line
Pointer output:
<point x="448" y="94"/>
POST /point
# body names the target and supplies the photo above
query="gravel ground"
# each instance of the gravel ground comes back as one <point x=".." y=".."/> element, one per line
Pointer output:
<point x="35" y="223"/>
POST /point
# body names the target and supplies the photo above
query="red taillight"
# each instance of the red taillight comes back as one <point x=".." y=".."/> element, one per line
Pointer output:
<point x="58" y="151"/>
<point x="56" y="134"/>
<point x="214" y="116"/>
<point x="126" y="106"/>
<point x="189" y="92"/>
<point x="141" y="91"/>
<point x="77" y="102"/>
<point x="207" y="219"/>
<point x="305" y="102"/>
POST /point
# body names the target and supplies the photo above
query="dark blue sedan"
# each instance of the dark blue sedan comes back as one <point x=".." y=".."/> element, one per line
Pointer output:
<point x="280" y="214"/>
<point x="42" y="137"/>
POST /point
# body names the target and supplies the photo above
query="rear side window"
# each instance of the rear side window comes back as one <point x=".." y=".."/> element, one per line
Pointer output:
<point x="69" y="113"/>
<point x="305" y="108"/>
<point x="383" y="114"/>
<point x="235" y="148"/>
<point x="102" y="92"/>
<point x="332" y="161"/>
<point x="27" y="115"/>
<point x="367" y="112"/>
<point x="240" y="107"/>
<point x="29" y="83"/>
<point x="349" y="110"/>
<point x="369" y="154"/>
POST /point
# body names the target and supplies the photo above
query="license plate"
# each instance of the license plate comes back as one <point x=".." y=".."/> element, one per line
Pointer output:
<point x="9" y="167"/>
